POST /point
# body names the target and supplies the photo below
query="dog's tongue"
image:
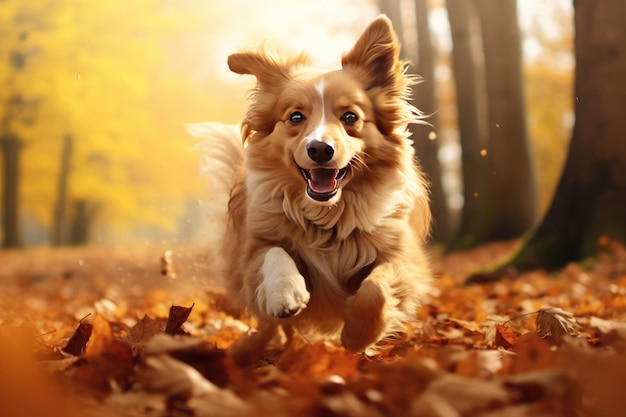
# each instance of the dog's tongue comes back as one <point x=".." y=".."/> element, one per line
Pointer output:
<point x="323" y="180"/>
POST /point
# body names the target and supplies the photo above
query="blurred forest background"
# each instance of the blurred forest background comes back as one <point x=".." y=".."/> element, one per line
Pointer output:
<point x="94" y="97"/>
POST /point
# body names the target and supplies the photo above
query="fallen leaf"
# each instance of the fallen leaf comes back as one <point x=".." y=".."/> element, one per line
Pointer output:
<point x="556" y="323"/>
<point x="506" y="337"/>
<point x="143" y="331"/>
<point x="177" y="317"/>
<point x="78" y="342"/>
<point x="465" y="395"/>
<point x="610" y="332"/>
<point x="107" y="360"/>
<point x="318" y="360"/>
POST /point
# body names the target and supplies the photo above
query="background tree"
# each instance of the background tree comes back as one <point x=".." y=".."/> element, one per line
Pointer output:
<point x="424" y="98"/>
<point x="471" y="99"/>
<point x="426" y="141"/>
<point x="87" y="72"/>
<point x="589" y="207"/>
<point x="509" y="208"/>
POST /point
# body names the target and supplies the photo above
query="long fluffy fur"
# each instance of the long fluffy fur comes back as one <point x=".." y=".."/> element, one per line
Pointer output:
<point x="354" y="265"/>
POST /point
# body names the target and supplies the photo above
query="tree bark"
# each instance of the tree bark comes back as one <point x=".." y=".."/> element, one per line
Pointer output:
<point x="392" y="9"/>
<point x="59" y="223"/>
<point x="11" y="151"/>
<point x="424" y="99"/>
<point x="510" y="200"/>
<point x="471" y="100"/>
<point x="589" y="206"/>
<point x="83" y="214"/>
<point x="427" y="146"/>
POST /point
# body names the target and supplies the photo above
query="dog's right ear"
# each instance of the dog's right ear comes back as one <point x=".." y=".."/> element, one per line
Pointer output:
<point x="270" y="69"/>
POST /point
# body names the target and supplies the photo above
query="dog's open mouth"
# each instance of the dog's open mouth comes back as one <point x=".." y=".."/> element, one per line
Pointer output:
<point x="322" y="183"/>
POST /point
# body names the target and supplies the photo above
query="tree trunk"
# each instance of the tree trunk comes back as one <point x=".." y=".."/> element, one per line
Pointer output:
<point x="83" y="214"/>
<point x="426" y="145"/>
<point x="59" y="223"/>
<point x="424" y="99"/>
<point x="11" y="151"/>
<point x="510" y="201"/>
<point x="392" y="9"/>
<point x="589" y="205"/>
<point x="471" y="99"/>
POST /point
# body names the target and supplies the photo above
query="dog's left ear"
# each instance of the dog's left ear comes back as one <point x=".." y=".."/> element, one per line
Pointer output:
<point x="270" y="69"/>
<point x="377" y="52"/>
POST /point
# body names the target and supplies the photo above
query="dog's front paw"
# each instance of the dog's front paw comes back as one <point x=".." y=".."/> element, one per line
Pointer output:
<point x="286" y="296"/>
<point x="282" y="292"/>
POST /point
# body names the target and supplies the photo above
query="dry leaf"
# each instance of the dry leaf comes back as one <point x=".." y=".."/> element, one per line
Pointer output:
<point x="78" y="342"/>
<point x="317" y="361"/>
<point x="143" y="331"/>
<point x="177" y="317"/>
<point x="506" y="337"/>
<point x="107" y="360"/>
<point x="610" y="331"/>
<point x="556" y="323"/>
<point x="162" y="373"/>
<point x="465" y="395"/>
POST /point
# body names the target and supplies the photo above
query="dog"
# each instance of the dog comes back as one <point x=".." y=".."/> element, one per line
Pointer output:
<point x="328" y="211"/>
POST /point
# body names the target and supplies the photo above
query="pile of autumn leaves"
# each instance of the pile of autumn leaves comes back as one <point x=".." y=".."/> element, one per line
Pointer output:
<point x="488" y="350"/>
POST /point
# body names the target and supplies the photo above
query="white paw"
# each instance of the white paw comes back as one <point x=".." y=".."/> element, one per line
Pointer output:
<point x="283" y="288"/>
<point x="286" y="296"/>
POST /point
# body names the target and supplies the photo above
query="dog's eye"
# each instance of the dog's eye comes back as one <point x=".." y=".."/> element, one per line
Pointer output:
<point x="349" y="118"/>
<point x="296" y="118"/>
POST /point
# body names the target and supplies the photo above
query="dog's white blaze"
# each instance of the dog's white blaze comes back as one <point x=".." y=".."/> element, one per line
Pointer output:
<point x="282" y="283"/>
<point x="318" y="132"/>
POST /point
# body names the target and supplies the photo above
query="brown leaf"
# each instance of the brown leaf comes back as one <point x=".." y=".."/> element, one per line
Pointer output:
<point x="317" y="360"/>
<point x="610" y="332"/>
<point x="107" y="360"/>
<point x="144" y="330"/>
<point x="466" y="396"/>
<point x="506" y="337"/>
<point x="556" y="323"/>
<point x="250" y="347"/>
<point x="178" y="316"/>
<point x="78" y="342"/>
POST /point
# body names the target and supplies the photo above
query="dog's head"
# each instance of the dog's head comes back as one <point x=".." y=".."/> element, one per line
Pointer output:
<point x="327" y="129"/>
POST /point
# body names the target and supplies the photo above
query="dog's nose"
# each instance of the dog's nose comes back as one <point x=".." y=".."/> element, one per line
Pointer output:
<point x="320" y="152"/>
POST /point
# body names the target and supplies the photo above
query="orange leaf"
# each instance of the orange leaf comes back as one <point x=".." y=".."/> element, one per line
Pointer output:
<point x="506" y="337"/>
<point x="107" y="360"/>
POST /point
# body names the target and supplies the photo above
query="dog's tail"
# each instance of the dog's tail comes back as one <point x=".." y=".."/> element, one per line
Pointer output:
<point x="221" y="158"/>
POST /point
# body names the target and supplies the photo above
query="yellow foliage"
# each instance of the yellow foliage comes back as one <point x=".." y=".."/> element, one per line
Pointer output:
<point x="93" y="71"/>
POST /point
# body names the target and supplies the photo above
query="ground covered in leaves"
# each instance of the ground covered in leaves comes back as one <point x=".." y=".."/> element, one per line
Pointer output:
<point x="146" y="332"/>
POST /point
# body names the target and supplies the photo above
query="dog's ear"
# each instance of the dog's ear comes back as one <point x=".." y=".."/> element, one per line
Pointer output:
<point x="377" y="52"/>
<point x="269" y="68"/>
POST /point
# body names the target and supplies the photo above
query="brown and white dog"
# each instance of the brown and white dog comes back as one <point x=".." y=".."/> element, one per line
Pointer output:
<point x="328" y="211"/>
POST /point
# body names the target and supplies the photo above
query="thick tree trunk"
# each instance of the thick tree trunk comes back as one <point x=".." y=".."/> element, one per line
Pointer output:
<point x="471" y="99"/>
<point x="59" y="222"/>
<point x="83" y="214"/>
<point x="393" y="11"/>
<point x="426" y="145"/>
<point x="510" y="201"/>
<point x="590" y="201"/>
<point x="11" y="151"/>
<point x="424" y="99"/>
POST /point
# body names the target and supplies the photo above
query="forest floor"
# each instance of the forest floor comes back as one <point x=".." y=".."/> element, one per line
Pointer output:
<point x="103" y="332"/>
